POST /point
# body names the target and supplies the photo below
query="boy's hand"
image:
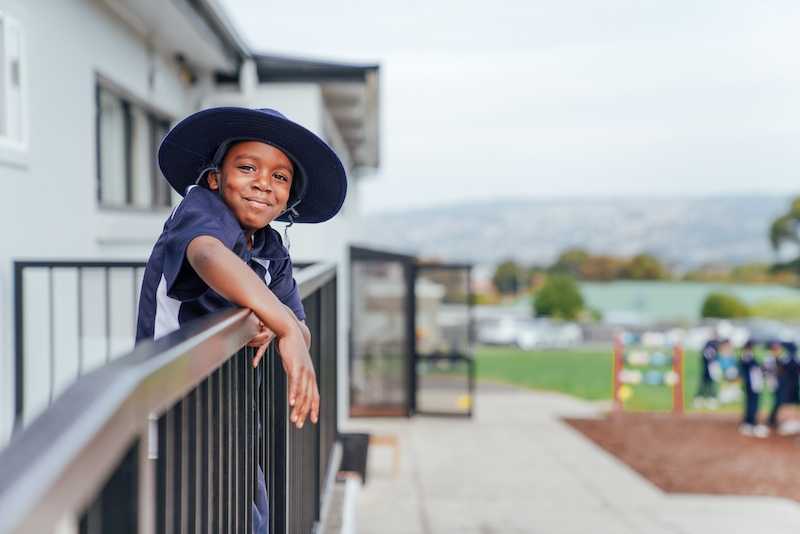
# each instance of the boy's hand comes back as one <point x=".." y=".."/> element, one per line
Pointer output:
<point x="303" y="391"/>
<point x="262" y="339"/>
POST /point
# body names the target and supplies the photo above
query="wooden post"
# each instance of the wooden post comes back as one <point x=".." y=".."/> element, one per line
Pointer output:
<point x="618" y="361"/>
<point x="677" y="389"/>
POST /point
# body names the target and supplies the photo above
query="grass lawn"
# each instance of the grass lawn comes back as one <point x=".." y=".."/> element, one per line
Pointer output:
<point x="583" y="373"/>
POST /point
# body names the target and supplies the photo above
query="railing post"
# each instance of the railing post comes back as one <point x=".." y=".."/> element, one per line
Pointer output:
<point x="19" y="348"/>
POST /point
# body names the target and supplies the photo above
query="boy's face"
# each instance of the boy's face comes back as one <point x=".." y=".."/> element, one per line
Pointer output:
<point x="256" y="179"/>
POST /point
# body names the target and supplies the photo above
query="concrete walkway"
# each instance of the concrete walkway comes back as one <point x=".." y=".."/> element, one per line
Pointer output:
<point x="516" y="468"/>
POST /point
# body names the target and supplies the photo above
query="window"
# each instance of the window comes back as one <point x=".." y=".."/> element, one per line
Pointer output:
<point x="12" y="127"/>
<point x="127" y="140"/>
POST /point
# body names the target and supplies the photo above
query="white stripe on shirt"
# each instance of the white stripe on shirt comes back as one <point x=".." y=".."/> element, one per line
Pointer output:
<point x="167" y="309"/>
<point x="265" y="264"/>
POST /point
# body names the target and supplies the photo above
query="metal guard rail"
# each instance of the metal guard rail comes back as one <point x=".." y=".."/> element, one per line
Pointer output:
<point x="53" y="473"/>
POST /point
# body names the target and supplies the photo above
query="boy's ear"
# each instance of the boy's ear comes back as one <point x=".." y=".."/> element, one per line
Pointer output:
<point x="213" y="180"/>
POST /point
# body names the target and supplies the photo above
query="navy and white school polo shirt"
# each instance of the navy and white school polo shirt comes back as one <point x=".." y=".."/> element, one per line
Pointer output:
<point x="172" y="292"/>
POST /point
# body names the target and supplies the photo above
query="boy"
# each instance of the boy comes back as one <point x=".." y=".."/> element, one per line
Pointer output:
<point x="238" y="170"/>
<point x="753" y="383"/>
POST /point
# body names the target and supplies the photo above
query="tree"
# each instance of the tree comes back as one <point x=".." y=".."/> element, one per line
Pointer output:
<point x="570" y="261"/>
<point x="559" y="297"/>
<point x="601" y="268"/>
<point x="724" y="306"/>
<point x="507" y="277"/>
<point x="644" y="267"/>
<point x="786" y="228"/>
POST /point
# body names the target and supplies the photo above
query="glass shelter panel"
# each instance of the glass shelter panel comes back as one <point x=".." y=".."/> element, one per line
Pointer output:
<point x="444" y="365"/>
<point x="380" y="331"/>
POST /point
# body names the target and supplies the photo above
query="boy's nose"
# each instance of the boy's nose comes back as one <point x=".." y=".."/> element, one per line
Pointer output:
<point x="263" y="183"/>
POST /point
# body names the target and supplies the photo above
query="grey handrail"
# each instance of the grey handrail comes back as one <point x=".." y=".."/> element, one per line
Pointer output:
<point x="57" y="463"/>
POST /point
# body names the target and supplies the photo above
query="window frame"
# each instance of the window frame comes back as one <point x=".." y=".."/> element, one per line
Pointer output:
<point x="13" y="148"/>
<point x="156" y="118"/>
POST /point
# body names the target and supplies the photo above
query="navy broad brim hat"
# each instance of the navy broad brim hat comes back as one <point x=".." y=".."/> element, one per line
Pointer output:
<point x="191" y="145"/>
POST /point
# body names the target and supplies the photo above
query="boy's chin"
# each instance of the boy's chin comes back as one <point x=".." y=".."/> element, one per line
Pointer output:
<point x="256" y="224"/>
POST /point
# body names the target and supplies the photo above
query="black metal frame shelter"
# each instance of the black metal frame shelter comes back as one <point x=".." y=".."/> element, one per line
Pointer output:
<point x="412" y="269"/>
<point x="452" y="357"/>
<point x="362" y="254"/>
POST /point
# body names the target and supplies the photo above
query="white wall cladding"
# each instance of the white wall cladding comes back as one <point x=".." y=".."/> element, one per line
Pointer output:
<point x="48" y="208"/>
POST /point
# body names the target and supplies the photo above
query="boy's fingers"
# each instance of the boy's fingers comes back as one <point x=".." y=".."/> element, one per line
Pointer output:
<point x="293" y="387"/>
<point x="259" y="354"/>
<point x="306" y="404"/>
<point x="298" y="399"/>
<point x="303" y="400"/>
<point x="262" y="338"/>
<point x="315" y="405"/>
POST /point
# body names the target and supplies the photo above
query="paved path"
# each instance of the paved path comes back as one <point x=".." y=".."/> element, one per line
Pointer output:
<point x="515" y="468"/>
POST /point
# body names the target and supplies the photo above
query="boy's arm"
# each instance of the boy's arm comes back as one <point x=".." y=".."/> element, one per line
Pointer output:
<point x="229" y="276"/>
<point x="303" y="328"/>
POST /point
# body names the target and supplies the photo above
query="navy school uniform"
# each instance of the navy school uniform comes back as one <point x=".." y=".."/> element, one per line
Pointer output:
<point x="786" y="371"/>
<point x="173" y="294"/>
<point x="753" y="384"/>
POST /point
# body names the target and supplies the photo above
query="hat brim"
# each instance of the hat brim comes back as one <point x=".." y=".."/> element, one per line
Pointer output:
<point x="190" y="145"/>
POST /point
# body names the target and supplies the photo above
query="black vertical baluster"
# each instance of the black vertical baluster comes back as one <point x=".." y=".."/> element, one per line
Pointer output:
<point x="52" y="345"/>
<point x="237" y="445"/>
<point x="201" y="463"/>
<point x="107" y="283"/>
<point x="80" y="321"/>
<point x="315" y="442"/>
<point x="277" y="406"/>
<point x="190" y="499"/>
<point x="174" y="465"/>
<point x="258" y="423"/>
<point x="19" y="347"/>
<point x="246" y="358"/>
<point x="162" y="472"/>
<point x="225" y="464"/>
<point x="181" y="483"/>
<point x="214" y="454"/>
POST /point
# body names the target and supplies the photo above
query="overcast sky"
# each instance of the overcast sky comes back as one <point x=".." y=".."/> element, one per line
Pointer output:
<point x="521" y="98"/>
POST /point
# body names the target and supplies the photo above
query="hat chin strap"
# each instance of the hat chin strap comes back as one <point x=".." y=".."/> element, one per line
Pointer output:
<point x="292" y="214"/>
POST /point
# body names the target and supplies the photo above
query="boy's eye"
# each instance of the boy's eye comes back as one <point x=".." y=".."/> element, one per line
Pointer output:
<point x="281" y="177"/>
<point x="247" y="168"/>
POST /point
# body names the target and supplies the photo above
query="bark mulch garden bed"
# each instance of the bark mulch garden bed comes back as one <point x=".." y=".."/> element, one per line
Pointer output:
<point x="699" y="453"/>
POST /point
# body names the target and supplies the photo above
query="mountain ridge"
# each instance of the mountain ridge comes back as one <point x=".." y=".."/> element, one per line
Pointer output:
<point x="685" y="231"/>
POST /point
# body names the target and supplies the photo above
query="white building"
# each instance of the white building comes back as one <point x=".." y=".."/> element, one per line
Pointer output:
<point x="87" y="89"/>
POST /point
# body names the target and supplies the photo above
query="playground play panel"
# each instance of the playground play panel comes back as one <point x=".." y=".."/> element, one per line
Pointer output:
<point x="698" y="453"/>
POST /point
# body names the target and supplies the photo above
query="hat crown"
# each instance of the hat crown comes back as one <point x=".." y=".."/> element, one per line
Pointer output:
<point x="273" y="113"/>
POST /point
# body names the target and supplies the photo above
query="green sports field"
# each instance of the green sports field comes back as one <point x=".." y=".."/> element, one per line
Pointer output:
<point x="583" y="373"/>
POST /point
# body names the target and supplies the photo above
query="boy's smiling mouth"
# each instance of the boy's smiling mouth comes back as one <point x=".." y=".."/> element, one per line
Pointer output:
<point x="258" y="203"/>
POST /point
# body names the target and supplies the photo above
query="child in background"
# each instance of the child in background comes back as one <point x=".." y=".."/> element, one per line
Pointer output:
<point x="728" y="373"/>
<point x="753" y="384"/>
<point x="707" y="393"/>
<point x="777" y="365"/>
<point x="791" y="392"/>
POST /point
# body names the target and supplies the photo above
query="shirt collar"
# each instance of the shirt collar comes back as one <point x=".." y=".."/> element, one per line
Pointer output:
<point x="267" y="245"/>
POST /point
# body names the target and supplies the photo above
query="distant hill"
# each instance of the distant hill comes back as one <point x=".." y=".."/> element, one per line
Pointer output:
<point x="684" y="231"/>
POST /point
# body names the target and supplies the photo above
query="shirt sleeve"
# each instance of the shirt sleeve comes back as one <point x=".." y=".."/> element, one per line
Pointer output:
<point x="284" y="286"/>
<point x="192" y="218"/>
